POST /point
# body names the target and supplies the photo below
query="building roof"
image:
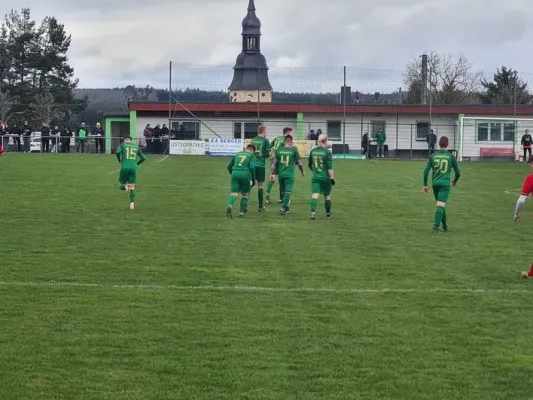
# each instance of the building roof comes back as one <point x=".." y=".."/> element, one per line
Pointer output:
<point x="290" y="109"/>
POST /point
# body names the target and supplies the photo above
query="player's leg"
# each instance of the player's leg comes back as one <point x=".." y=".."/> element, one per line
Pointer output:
<point x="287" y="184"/>
<point x="123" y="179"/>
<point x="244" y="188"/>
<point x="235" y="188"/>
<point x="441" y="195"/>
<point x="281" y="189"/>
<point x="270" y="184"/>
<point x="326" y="191"/>
<point x="260" y="175"/>
<point x="315" y="193"/>
<point x="132" y="180"/>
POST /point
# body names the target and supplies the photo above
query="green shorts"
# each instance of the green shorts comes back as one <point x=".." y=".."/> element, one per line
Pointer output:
<point x="321" y="186"/>
<point x="260" y="174"/>
<point x="127" y="176"/>
<point x="441" y="193"/>
<point x="240" y="183"/>
<point x="286" y="184"/>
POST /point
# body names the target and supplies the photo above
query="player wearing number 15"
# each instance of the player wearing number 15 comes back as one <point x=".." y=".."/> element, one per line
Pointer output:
<point x="321" y="164"/>
<point x="261" y="154"/>
<point x="441" y="164"/>
<point x="129" y="156"/>
<point x="242" y="170"/>
<point x="287" y="157"/>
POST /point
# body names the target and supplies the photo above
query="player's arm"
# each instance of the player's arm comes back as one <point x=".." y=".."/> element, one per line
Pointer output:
<point x="310" y="161"/>
<point x="522" y="141"/>
<point x="456" y="170"/>
<point x="299" y="163"/>
<point x="252" y="171"/>
<point x="266" y="149"/>
<point x="426" y="175"/>
<point x="140" y="156"/>
<point x="118" y="153"/>
<point x="329" y="167"/>
<point x="231" y="164"/>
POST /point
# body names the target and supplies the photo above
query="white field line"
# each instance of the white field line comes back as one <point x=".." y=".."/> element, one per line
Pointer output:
<point x="514" y="192"/>
<point x="164" y="158"/>
<point x="113" y="172"/>
<point x="259" y="289"/>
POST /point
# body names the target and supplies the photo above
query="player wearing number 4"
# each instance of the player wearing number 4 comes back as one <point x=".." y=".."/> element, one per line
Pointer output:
<point x="129" y="156"/>
<point x="321" y="164"/>
<point x="283" y="164"/>
<point x="242" y="170"/>
<point x="441" y="164"/>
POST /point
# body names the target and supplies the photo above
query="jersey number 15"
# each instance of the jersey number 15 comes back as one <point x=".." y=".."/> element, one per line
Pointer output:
<point x="318" y="163"/>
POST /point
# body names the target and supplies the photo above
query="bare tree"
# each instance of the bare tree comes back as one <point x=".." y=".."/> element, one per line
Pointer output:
<point x="7" y="103"/>
<point x="450" y="79"/>
<point x="45" y="108"/>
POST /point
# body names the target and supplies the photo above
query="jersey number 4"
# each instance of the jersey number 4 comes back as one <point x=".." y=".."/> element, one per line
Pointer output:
<point x="440" y="165"/>
<point x="131" y="153"/>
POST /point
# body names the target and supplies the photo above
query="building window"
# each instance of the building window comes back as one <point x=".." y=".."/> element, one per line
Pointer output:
<point x="495" y="132"/>
<point x="422" y="130"/>
<point x="250" y="130"/>
<point x="185" y="130"/>
<point x="334" y="130"/>
<point x="237" y="130"/>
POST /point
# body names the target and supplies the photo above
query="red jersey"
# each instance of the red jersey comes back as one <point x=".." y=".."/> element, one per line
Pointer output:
<point x="527" y="187"/>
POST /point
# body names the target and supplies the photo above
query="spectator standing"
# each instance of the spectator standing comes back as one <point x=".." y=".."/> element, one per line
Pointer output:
<point x="157" y="139"/>
<point x="365" y="145"/>
<point x="526" y="143"/>
<point x="15" y="131"/>
<point x="54" y="135"/>
<point x="45" y="139"/>
<point x="148" y="134"/>
<point x="432" y="141"/>
<point x="99" y="138"/>
<point x="81" y="135"/>
<point x="27" y="131"/>
<point x="66" y="135"/>
<point x="5" y="139"/>
<point x="165" y="137"/>
<point x="381" y="138"/>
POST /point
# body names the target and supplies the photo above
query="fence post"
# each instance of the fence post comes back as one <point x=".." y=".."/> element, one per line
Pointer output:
<point x="397" y="130"/>
<point x="411" y="142"/>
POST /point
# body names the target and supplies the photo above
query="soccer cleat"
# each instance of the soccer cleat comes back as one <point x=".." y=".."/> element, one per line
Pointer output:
<point x="132" y="206"/>
<point x="329" y="215"/>
<point x="525" y="275"/>
<point x="228" y="212"/>
<point x="241" y="214"/>
<point x="444" y="228"/>
<point x="313" y="216"/>
<point x="261" y="209"/>
<point x="436" y="229"/>
<point x="245" y="210"/>
<point x="267" y="198"/>
<point x="280" y="201"/>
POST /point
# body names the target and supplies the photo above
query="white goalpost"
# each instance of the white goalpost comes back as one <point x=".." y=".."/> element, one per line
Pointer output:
<point x="500" y="135"/>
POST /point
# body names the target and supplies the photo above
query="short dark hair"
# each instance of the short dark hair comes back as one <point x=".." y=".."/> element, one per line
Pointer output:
<point x="127" y="137"/>
<point x="288" y="137"/>
<point x="287" y="130"/>
<point x="250" y="147"/>
<point x="443" y="141"/>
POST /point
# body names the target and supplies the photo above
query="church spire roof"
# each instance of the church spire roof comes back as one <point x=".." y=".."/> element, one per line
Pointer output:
<point x="251" y="25"/>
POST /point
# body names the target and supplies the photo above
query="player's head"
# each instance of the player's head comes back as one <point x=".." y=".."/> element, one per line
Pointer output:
<point x="250" y="148"/>
<point x="323" y="140"/>
<point x="288" y="141"/>
<point x="262" y="131"/>
<point x="127" y="139"/>
<point x="287" y="131"/>
<point x="444" y="142"/>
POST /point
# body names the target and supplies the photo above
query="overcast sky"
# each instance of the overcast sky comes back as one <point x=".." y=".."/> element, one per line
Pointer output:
<point x="120" y="42"/>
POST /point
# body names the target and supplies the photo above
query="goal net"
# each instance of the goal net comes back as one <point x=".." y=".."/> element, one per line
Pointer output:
<point x="484" y="138"/>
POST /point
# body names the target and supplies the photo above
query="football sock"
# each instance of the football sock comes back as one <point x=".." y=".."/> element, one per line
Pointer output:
<point x="132" y="196"/>
<point x="244" y="203"/>
<point x="444" y="217"/>
<point x="260" y="196"/>
<point x="231" y="200"/>
<point x="328" y="206"/>
<point x="122" y="186"/>
<point x="286" y="201"/>
<point x="438" y="216"/>
<point x="313" y="204"/>
<point x="269" y="186"/>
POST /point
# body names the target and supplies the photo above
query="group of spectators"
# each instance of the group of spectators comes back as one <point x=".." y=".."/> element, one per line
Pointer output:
<point x="156" y="139"/>
<point x="51" y="139"/>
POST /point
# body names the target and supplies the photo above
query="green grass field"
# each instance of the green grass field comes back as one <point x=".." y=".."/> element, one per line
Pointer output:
<point x="175" y="301"/>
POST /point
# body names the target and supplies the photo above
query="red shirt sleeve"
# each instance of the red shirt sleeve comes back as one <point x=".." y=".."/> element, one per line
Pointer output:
<point x="527" y="187"/>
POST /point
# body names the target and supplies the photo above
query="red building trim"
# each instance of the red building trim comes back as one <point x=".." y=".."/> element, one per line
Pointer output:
<point x="273" y="108"/>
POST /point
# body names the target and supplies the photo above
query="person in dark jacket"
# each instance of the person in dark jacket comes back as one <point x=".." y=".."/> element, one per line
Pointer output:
<point x="5" y="139"/>
<point x="165" y="135"/>
<point x="54" y="135"/>
<point x="526" y="143"/>
<point x="365" y="145"/>
<point x="15" y="131"/>
<point x="27" y="131"/>
<point x="45" y="139"/>
<point x="431" y="141"/>
<point x="66" y="135"/>
<point x="99" y="137"/>
<point x="157" y="139"/>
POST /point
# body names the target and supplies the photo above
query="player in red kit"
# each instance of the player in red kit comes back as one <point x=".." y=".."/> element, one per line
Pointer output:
<point x="527" y="189"/>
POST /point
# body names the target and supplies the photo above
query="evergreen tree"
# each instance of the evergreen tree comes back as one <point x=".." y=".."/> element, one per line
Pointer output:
<point x="506" y="88"/>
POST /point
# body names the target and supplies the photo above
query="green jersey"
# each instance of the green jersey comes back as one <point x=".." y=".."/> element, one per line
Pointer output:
<point x="262" y="150"/>
<point x="129" y="155"/>
<point x="320" y="162"/>
<point x="277" y="143"/>
<point x="242" y="164"/>
<point x="285" y="161"/>
<point x="441" y="164"/>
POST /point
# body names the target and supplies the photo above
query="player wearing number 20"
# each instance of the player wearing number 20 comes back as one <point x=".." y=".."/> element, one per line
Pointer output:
<point x="322" y="180"/>
<point x="286" y="158"/>
<point x="242" y="170"/>
<point x="129" y="156"/>
<point x="441" y="164"/>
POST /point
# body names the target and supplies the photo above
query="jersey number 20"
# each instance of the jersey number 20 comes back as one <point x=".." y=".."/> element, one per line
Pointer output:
<point x="440" y="165"/>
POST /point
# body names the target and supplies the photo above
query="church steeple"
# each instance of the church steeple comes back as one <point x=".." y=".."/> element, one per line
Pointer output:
<point x="250" y="78"/>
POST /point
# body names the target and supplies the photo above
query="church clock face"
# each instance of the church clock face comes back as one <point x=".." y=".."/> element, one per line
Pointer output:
<point x="249" y="95"/>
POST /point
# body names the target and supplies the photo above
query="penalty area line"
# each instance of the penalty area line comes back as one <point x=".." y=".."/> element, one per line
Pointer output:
<point x="113" y="172"/>
<point x="259" y="289"/>
<point x="164" y="158"/>
<point x="513" y="192"/>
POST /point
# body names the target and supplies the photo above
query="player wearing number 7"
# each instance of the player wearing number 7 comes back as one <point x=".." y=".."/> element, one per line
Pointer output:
<point x="321" y="164"/>
<point x="242" y="170"/>
<point x="129" y="156"/>
<point x="441" y="164"/>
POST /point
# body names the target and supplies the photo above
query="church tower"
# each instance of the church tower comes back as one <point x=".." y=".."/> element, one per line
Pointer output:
<point x="250" y="74"/>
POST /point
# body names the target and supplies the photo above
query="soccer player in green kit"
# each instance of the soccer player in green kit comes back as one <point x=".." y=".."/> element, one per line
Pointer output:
<point x="322" y="180"/>
<point x="441" y="164"/>
<point x="242" y="170"/>
<point x="274" y="146"/>
<point x="129" y="156"/>
<point x="283" y="167"/>
<point x="261" y="154"/>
